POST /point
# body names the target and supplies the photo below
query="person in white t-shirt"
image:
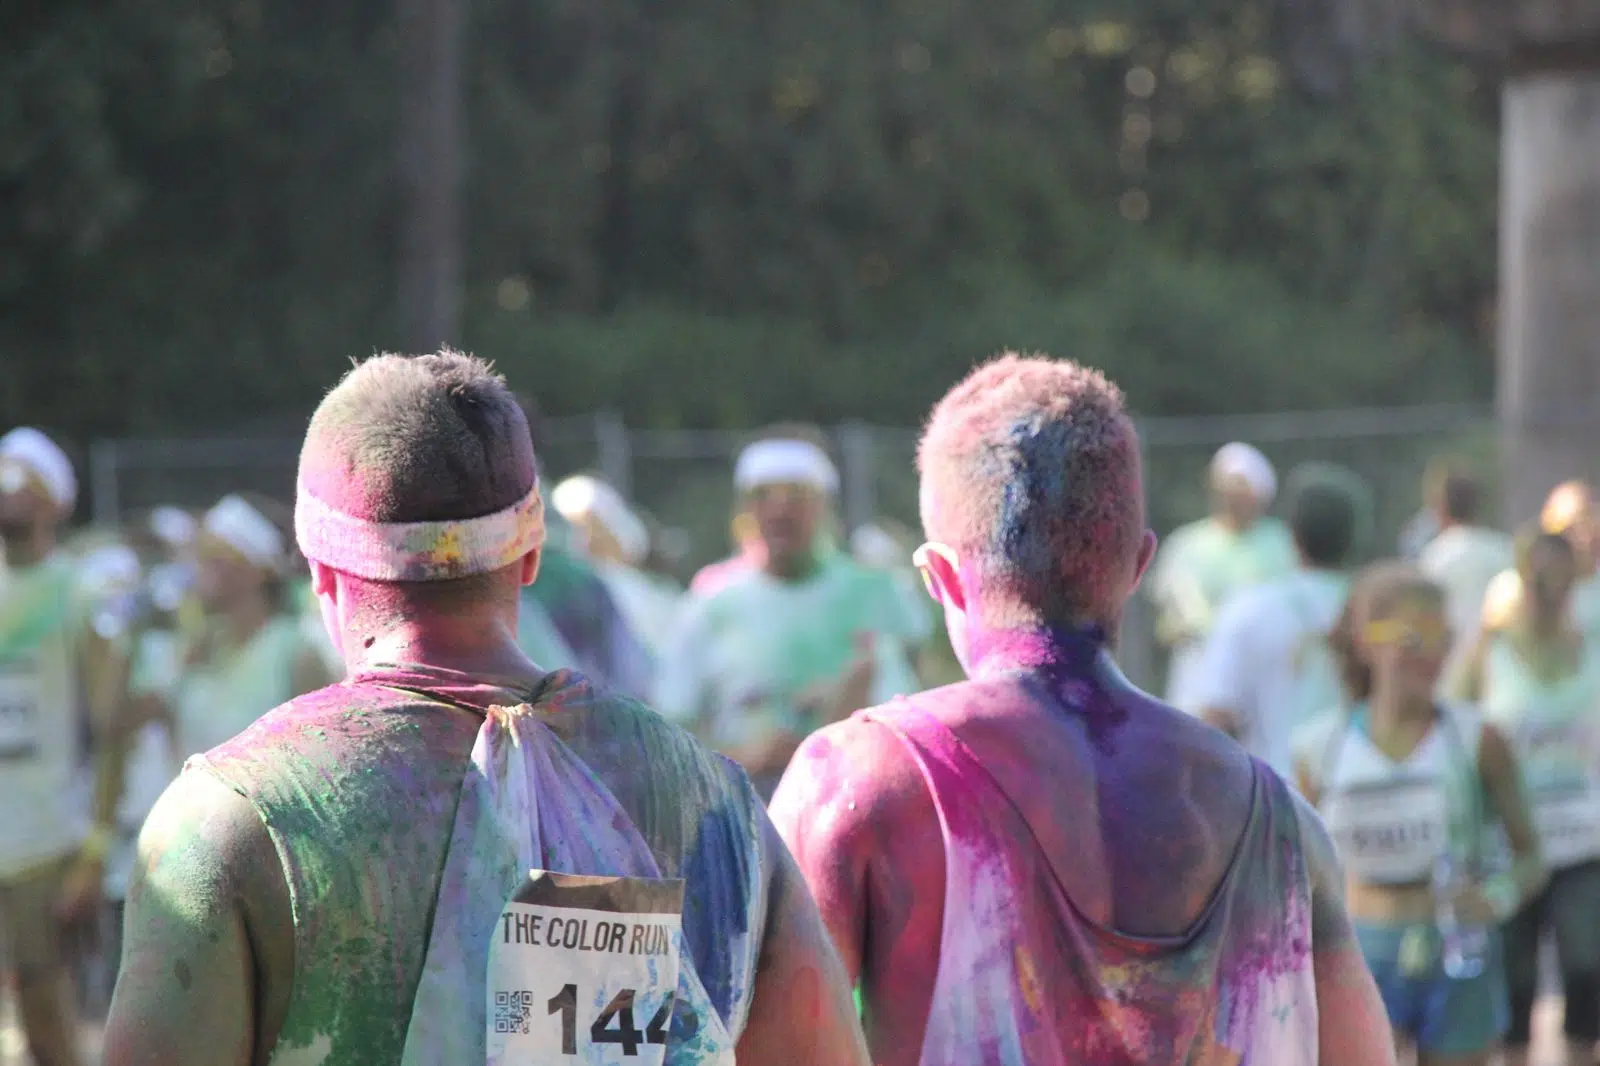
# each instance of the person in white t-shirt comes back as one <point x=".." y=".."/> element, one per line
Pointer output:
<point x="1266" y="668"/>
<point x="1463" y="558"/>
<point x="1203" y="564"/>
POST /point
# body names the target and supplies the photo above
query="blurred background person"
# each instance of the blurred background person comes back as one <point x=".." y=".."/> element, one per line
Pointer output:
<point x="1409" y="788"/>
<point x="569" y="618"/>
<point x="805" y="639"/>
<point x="251" y="653"/>
<point x="1267" y="667"/>
<point x="617" y="542"/>
<point x="1202" y="564"/>
<point x="749" y="553"/>
<point x="888" y="545"/>
<point x="1538" y="680"/>
<point x="1464" y="556"/>
<point x="58" y="703"/>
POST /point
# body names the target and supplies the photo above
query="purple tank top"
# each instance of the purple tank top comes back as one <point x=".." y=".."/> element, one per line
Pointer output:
<point x="1026" y="980"/>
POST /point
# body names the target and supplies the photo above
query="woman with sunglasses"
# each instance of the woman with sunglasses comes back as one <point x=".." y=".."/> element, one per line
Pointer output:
<point x="1407" y="787"/>
<point x="1539" y="681"/>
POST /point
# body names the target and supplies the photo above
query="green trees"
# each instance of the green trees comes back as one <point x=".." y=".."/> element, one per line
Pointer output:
<point x="725" y="212"/>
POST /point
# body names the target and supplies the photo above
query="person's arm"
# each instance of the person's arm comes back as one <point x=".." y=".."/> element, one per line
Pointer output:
<point x="857" y="816"/>
<point x="1465" y="682"/>
<point x="1352" y="1024"/>
<point x="1502" y="896"/>
<point x="103" y="666"/>
<point x="187" y="990"/>
<point x="801" y="1009"/>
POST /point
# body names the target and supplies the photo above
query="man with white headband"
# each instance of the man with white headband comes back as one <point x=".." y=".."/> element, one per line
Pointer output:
<point x="617" y="542"/>
<point x="1204" y="563"/>
<point x="453" y="857"/>
<point x="806" y="639"/>
<point x="52" y="666"/>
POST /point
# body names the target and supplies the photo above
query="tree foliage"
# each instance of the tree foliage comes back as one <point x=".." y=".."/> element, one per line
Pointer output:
<point x="718" y="213"/>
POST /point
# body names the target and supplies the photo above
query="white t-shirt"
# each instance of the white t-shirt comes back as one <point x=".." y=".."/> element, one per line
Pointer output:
<point x="1463" y="560"/>
<point x="1266" y="661"/>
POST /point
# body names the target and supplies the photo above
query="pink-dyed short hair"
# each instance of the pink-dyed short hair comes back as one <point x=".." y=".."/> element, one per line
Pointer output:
<point x="1030" y="469"/>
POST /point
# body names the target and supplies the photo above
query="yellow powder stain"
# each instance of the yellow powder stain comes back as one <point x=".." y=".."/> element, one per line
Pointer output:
<point x="1027" y="979"/>
<point x="448" y="551"/>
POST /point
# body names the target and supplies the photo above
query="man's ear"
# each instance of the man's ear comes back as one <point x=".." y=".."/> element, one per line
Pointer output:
<point x="324" y="579"/>
<point x="530" y="566"/>
<point x="947" y="581"/>
<point x="1147" y="554"/>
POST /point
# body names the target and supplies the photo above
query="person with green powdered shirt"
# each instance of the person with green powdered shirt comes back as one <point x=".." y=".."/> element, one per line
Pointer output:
<point x="53" y="667"/>
<point x="805" y="639"/>
<point x="1267" y="668"/>
<point x="1201" y="565"/>
<point x="454" y="857"/>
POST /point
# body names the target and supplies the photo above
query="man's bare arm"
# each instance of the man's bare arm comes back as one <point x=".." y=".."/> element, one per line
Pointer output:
<point x="186" y="992"/>
<point x="1352" y="1024"/>
<point x="802" y="1011"/>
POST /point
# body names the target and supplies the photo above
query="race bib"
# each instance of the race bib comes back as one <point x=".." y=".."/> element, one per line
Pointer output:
<point x="1567" y="819"/>
<point x="19" y="712"/>
<point x="585" y="970"/>
<point x="1391" y="832"/>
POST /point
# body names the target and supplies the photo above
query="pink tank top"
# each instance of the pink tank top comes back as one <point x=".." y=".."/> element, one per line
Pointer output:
<point x="1025" y="980"/>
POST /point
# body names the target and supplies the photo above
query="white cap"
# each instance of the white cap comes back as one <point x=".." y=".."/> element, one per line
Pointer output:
<point x="173" y="526"/>
<point x="109" y="568"/>
<point x="785" y="462"/>
<point x="247" y="531"/>
<point x="1245" y="462"/>
<point x="584" y="496"/>
<point x="27" y="451"/>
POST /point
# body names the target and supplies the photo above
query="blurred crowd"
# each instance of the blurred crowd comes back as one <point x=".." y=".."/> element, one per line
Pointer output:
<point x="124" y="651"/>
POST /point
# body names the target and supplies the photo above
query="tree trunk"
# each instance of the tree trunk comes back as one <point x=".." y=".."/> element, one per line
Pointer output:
<point x="430" y="151"/>
<point x="1549" y="380"/>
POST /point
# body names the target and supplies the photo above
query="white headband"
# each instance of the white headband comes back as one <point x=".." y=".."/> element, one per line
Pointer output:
<point x="582" y="495"/>
<point x="1245" y="462"/>
<point x="785" y="462"/>
<point x="418" y="551"/>
<point x="246" y="530"/>
<point x="38" y="455"/>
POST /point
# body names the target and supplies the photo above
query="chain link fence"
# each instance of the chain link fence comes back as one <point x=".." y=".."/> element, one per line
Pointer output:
<point x="683" y="478"/>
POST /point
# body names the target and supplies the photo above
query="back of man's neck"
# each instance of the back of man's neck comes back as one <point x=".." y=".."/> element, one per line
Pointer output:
<point x="480" y="646"/>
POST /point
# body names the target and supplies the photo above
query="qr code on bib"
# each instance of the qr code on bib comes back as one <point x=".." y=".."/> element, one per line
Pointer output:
<point x="511" y="1011"/>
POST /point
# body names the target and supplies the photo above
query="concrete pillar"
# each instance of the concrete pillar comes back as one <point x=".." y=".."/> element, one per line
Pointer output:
<point x="1549" y="358"/>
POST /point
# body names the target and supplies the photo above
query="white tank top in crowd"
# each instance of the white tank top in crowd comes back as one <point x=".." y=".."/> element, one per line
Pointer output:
<point x="1392" y="820"/>
<point x="41" y="758"/>
<point x="1554" y="729"/>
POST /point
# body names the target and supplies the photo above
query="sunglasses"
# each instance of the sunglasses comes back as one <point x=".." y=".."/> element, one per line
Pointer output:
<point x="923" y="555"/>
<point x="1393" y="632"/>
